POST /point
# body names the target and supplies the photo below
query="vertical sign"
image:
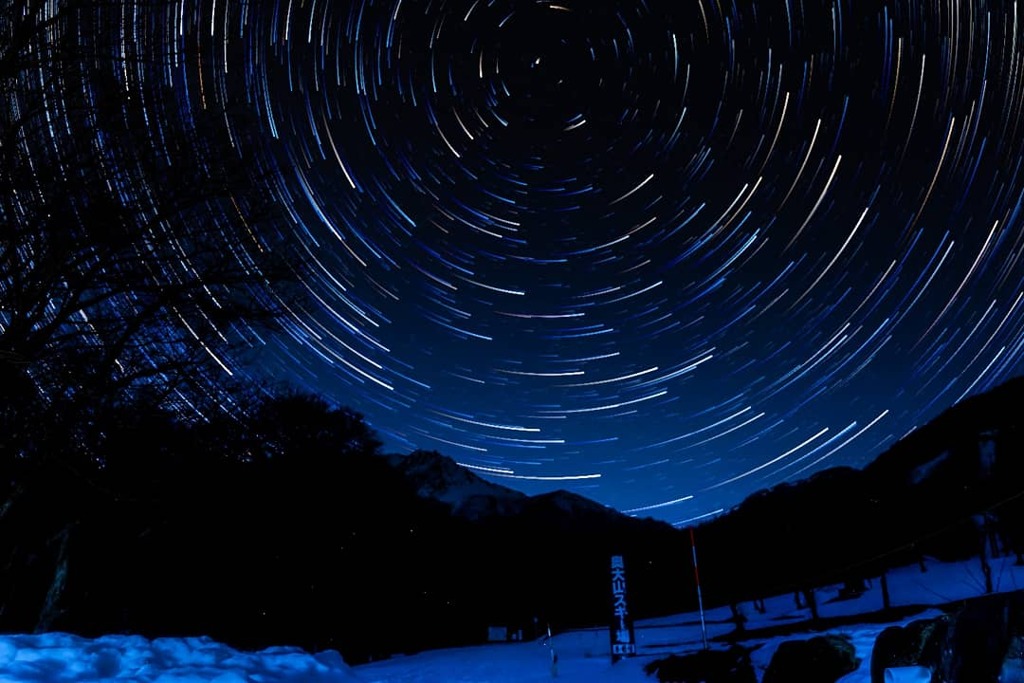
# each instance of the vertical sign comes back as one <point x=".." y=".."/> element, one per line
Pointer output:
<point x="622" y="636"/>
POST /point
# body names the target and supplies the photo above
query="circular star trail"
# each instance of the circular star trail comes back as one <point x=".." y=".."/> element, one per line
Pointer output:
<point x="661" y="253"/>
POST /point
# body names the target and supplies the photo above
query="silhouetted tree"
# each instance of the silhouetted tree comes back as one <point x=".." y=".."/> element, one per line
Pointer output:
<point x="301" y="428"/>
<point x="140" y="248"/>
<point x="128" y="257"/>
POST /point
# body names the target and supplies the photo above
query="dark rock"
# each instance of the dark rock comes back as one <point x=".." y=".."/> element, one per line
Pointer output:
<point x="1013" y="663"/>
<point x="983" y="642"/>
<point x="919" y="643"/>
<point x="822" y="659"/>
<point x="706" y="666"/>
<point x="980" y="638"/>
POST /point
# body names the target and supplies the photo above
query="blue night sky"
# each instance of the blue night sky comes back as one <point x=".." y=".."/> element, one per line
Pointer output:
<point x="660" y="253"/>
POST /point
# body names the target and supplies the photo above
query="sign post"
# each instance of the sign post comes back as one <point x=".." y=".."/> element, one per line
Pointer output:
<point x="623" y="639"/>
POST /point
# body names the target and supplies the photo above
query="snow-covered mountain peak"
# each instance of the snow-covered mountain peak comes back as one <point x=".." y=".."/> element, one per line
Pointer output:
<point x="439" y="477"/>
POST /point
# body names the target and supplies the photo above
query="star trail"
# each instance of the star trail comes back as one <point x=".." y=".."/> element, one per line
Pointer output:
<point x="663" y="253"/>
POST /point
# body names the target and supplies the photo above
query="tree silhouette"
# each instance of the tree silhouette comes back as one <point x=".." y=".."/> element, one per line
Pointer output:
<point x="141" y="248"/>
<point x="140" y="239"/>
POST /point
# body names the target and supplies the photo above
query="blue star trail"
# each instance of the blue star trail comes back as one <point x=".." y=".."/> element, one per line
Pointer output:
<point x="661" y="253"/>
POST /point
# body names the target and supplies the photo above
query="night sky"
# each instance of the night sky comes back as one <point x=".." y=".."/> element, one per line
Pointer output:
<point x="660" y="253"/>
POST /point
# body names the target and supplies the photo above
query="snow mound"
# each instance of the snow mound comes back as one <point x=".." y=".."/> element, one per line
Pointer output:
<point x="53" y="657"/>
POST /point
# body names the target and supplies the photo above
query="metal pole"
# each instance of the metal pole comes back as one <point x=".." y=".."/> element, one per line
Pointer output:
<point x="700" y="599"/>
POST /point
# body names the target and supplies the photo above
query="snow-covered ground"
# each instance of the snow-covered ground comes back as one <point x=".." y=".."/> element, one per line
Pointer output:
<point x="582" y="656"/>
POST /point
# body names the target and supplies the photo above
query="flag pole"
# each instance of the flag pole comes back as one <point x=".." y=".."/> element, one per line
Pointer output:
<point x="700" y="599"/>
